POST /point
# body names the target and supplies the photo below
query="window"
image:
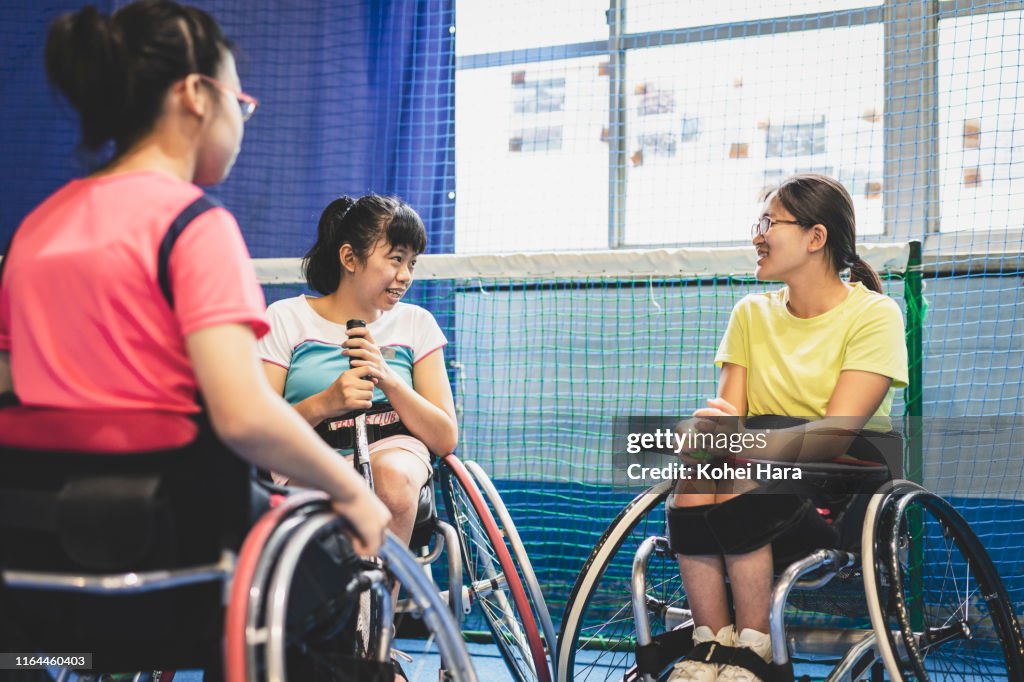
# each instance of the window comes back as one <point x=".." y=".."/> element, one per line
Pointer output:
<point x="981" y="122"/>
<point x="531" y="164"/>
<point x="661" y="15"/>
<point x="675" y="138"/>
<point x="487" y="26"/>
<point x="713" y="125"/>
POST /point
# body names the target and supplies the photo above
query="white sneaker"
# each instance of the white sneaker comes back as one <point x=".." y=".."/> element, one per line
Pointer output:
<point x="698" y="671"/>
<point x="759" y="643"/>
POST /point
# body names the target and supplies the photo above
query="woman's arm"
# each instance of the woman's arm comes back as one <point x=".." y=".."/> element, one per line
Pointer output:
<point x="853" y="402"/>
<point x="350" y="391"/>
<point x="428" y="410"/>
<point x="732" y="387"/>
<point x="258" y="425"/>
<point x="6" y="383"/>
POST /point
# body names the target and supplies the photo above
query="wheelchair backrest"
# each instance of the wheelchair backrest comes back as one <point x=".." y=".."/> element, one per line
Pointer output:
<point x="62" y="509"/>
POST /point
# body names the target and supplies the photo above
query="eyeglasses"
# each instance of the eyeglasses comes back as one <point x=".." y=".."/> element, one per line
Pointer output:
<point x="764" y="223"/>
<point x="247" y="103"/>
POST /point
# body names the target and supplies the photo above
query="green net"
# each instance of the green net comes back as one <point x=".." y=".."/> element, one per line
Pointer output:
<point x="542" y="364"/>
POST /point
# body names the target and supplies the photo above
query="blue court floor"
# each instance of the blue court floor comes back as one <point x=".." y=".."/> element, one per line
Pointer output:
<point x="489" y="665"/>
<point x="487" y="661"/>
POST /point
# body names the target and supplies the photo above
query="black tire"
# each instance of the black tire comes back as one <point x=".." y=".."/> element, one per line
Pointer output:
<point x="877" y="579"/>
<point x="950" y="605"/>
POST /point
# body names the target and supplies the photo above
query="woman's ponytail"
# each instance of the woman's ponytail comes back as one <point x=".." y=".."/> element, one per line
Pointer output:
<point x="815" y="199"/>
<point x="83" y="61"/>
<point x="116" y="71"/>
<point x="320" y="265"/>
<point x="861" y="271"/>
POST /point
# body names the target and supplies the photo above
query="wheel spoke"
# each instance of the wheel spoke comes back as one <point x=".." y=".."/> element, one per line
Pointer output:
<point x="499" y="594"/>
<point x="964" y="634"/>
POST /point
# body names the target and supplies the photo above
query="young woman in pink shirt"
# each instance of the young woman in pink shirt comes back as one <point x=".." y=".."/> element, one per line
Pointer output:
<point x="128" y="292"/>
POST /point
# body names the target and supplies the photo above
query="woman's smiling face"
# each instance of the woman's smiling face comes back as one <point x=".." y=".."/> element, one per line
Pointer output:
<point x="386" y="274"/>
<point x="781" y="249"/>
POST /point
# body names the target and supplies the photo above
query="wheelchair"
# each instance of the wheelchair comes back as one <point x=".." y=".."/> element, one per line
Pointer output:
<point x="487" y="564"/>
<point x="906" y="593"/>
<point x="138" y="559"/>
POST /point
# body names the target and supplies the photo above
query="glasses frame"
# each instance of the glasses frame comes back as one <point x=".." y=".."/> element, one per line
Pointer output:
<point x="246" y="103"/>
<point x="757" y="231"/>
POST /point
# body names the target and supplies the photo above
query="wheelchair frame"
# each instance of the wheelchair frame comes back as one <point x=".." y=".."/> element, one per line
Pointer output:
<point x="899" y="651"/>
<point x="261" y="586"/>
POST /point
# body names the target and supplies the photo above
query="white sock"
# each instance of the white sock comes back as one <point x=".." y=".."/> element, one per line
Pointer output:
<point x="758" y="642"/>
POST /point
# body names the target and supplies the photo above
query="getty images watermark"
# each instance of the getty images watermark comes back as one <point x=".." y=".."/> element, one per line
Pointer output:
<point x="648" y="450"/>
<point x="697" y="445"/>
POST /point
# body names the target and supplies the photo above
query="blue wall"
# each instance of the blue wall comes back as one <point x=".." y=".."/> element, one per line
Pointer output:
<point x="356" y="96"/>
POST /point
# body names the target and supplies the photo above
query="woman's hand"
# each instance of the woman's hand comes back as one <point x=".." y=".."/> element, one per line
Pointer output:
<point x="718" y="407"/>
<point x="364" y="354"/>
<point x="720" y="417"/>
<point x="367" y="517"/>
<point x="350" y="391"/>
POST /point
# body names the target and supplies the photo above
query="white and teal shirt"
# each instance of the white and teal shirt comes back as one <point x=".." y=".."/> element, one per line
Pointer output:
<point x="309" y="346"/>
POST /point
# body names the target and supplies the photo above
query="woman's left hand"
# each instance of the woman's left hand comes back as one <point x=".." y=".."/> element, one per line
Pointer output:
<point x="720" y="417"/>
<point x="363" y="352"/>
<point x="718" y="407"/>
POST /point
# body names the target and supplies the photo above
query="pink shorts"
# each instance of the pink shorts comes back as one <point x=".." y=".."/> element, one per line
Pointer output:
<point x="405" y="443"/>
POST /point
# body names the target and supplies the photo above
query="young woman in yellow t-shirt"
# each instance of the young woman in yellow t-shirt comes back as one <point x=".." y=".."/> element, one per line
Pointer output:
<point x="819" y="348"/>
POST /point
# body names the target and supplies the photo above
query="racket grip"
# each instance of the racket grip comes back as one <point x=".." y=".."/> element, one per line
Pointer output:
<point x="352" y="324"/>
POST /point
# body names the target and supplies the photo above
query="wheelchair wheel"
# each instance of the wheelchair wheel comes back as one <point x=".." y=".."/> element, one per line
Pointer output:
<point x="519" y="555"/>
<point x="597" y="639"/>
<point x="275" y="631"/>
<point x="243" y="648"/>
<point x="432" y="608"/>
<point x="952" y="612"/>
<point x="494" y="582"/>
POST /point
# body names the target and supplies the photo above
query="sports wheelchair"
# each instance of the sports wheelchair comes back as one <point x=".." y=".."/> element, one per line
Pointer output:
<point x="134" y="558"/>
<point x="906" y="591"/>
<point x="483" y="545"/>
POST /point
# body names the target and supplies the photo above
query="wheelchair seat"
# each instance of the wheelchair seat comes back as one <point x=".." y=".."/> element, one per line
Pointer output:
<point x="426" y="517"/>
<point x="123" y="554"/>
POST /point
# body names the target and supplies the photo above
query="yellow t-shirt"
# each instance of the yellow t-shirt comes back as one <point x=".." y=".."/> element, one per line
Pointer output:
<point x="793" y="364"/>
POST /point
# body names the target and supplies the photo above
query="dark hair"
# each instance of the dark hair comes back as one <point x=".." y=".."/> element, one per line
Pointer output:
<point x="361" y="223"/>
<point x="815" y="199"/>
<point x="115" y="71"/>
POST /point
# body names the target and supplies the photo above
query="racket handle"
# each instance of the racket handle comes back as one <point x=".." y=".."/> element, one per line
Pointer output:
<point x="352" y="324"/>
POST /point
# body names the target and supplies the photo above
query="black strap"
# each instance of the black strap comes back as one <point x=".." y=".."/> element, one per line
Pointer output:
<point x="381" y="422"/>
<point x="201" y="205"/>
<point x="653" y="658"/>
<point x="344" y="438"/>
<point x="741" y="657"/>
<point x="177" y="227"/>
